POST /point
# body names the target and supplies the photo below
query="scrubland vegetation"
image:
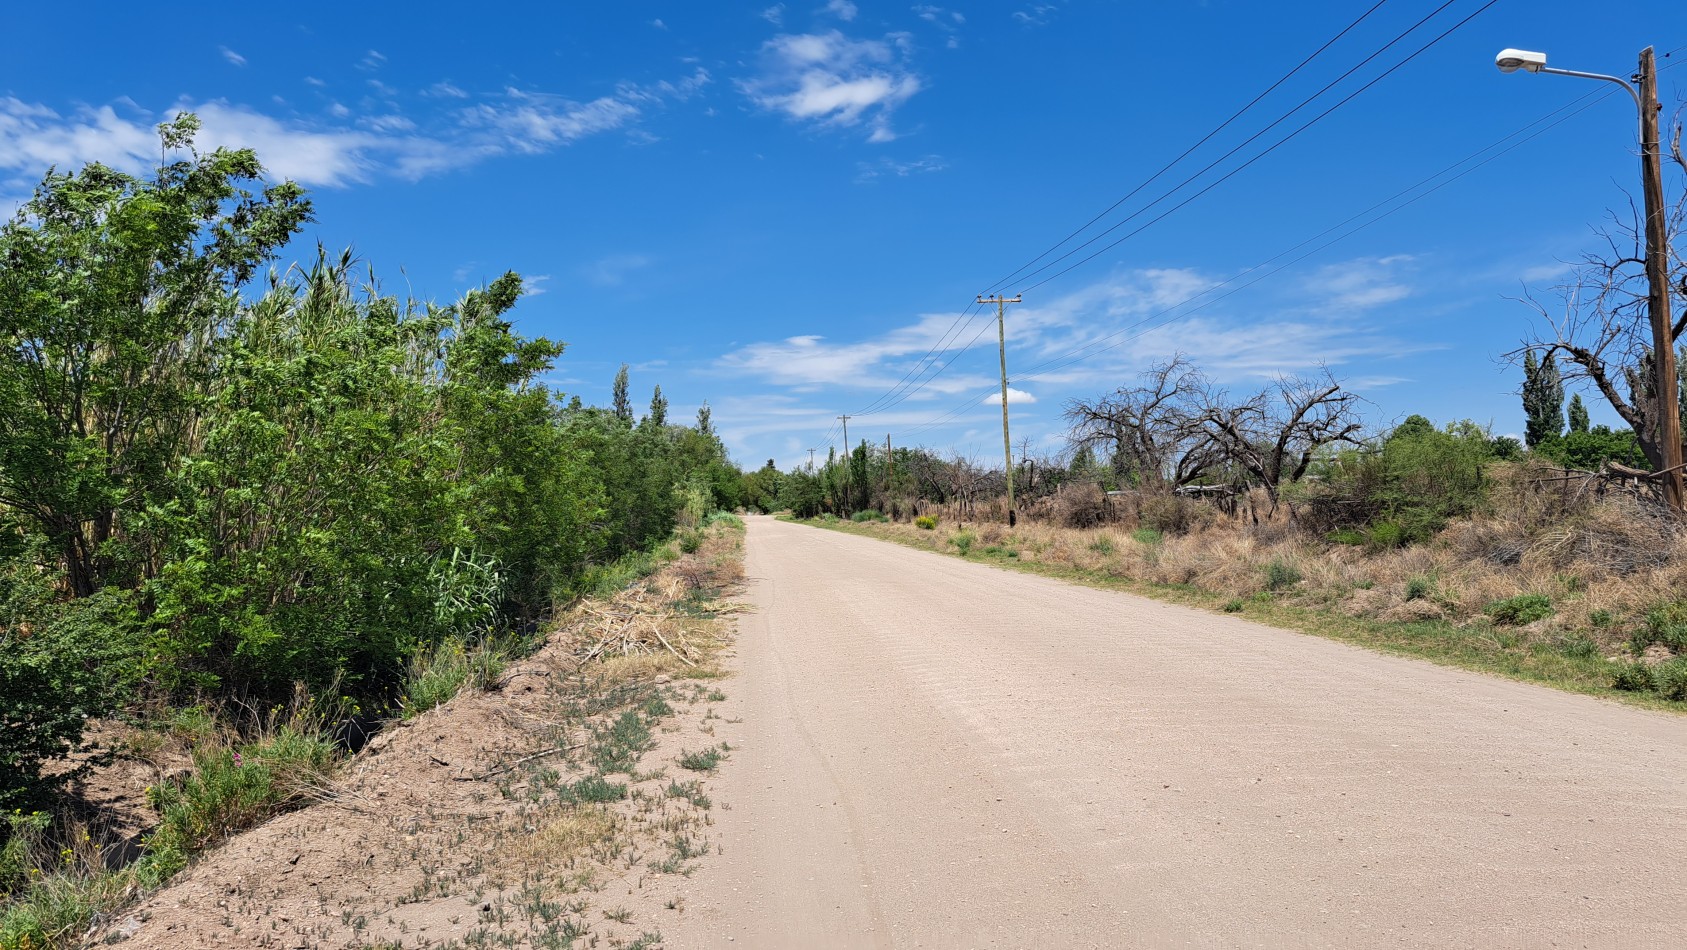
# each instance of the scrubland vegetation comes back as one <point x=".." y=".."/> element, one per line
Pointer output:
<point x="261" y="508"/>
<point x="1444" y="542"/>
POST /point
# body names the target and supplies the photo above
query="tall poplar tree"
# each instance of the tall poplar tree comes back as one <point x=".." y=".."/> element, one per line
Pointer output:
<point x="1543" y="400"/>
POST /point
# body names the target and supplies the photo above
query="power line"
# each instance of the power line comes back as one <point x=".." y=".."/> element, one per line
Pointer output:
<point x="1148" y="323"/>
<point x="1238" y="169"/>
<point x="1204" y="140"/>
<point x="881" y="404"/>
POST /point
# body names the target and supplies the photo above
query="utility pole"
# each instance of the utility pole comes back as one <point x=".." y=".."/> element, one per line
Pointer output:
<point x="890" y="463"/>
<point x="1657" y="277"/>
<point x="811" y="461"/>
<point x="1002" y="350"/>
<point x="847" y="465"/>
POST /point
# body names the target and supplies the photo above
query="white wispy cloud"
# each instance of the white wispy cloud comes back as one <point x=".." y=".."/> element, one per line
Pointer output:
<point x="833" y="80"/>
<point x="948" y="22"/>
<point x="811" y="362"/>
<point x="842" y="9"/>
<point x="1037" y="14"/>
<point x="337" y="149"/>
<point x="867" y="172"/>
<point x="775" y="14"/>
<point x="613" y="271"/>
<point x="232" y="56"/>
<point x="445" y="90"/>
<point x="1362" y="283"/>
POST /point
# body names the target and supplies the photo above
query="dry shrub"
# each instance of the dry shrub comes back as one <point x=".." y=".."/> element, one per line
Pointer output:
<point x="1079" y="506"/>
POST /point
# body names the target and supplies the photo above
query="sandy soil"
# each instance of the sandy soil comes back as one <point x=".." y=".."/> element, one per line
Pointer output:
<point x="934" y="753"/>
<point x="456" y="829"/>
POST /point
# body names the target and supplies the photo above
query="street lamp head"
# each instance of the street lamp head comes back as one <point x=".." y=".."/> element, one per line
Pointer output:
<point x="1511" y="60"/>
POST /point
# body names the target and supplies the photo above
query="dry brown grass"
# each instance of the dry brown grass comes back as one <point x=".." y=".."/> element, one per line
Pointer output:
<point x="1610" y="558"/>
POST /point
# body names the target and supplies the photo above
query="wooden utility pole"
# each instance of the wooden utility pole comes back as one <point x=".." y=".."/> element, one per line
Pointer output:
<point x="1002" y="350"/>
<point x="847" y="463"/>
<point x="811" y="460"/>
<point x="1657" y="278"/>
<point x="890" y="466"/>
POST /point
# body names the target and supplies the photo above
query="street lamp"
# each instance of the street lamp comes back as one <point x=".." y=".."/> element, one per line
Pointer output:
<point x="1644" y="91"/>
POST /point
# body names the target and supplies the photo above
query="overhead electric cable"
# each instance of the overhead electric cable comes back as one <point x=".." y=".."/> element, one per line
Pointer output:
<point x="1186" y="152"/>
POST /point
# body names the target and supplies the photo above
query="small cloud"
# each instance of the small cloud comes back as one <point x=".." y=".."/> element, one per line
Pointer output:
<point x="232" y="56"/>
<point x="313" y="81"/>
<point x="1036" y="14"/>
<point x="613" y="271"/>
<point x="659" y="24"/>
<point x="1545" y="272"/>
<point x="842" y="9"/>
<point x="445" y="90"/>
<point x="389" y="123"/>
<point x="338" y="111"/>
<point x="868" y="172"/>
<point x="371" y="61"/>
<point x="775" y="14"/>
<point x="1360" y="284"/>
<point x="534" y="285"/>
<point x="834" y="80"/>
<point x="382" y="88"/>
<point x="1016" y="397"/>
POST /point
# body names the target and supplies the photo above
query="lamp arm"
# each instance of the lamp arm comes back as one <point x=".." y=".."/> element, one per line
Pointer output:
<point x="1633" y="93"/>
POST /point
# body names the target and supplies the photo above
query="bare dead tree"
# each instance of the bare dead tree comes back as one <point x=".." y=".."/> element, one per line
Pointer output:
<point x="1274" y="434"/>
<point x="1152" y="427"/>
<point x="1600" y="324"/>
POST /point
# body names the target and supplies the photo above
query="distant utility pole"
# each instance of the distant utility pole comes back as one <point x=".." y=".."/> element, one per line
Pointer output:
<point x="890" y="466"/>
<point x="845" y="420"/>
<point x="811" y="460"/>
<point x="1002" y="349"/>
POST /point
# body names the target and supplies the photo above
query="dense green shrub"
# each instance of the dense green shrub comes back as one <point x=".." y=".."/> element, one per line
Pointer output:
<point x="1418" y="588"/>
<point x="926" y="522"/>
<point x="1670" y="679"/>
<point x="1665" y="624"/>
<point x="1400" y="490"/>
<point x="60" y="663"/>
<point x="963" y="541"/>
<point x="1590" y="450"/>
<point x="1281" y="574"/>
<point x="868" y="514"/>
<point x="1520" y="610"/>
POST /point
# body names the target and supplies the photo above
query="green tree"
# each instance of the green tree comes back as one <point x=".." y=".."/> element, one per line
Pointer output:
<point x="1578" y="414"/>
<point x="622" y="403"/>
<point x="658" y="408"/>
<point x="705" y="419"/>
<point x="1543" y="399"/>
<point x="112" y="290"/>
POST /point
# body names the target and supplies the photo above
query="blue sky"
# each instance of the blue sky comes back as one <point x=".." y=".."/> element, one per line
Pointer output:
<point x="780" y="208"/>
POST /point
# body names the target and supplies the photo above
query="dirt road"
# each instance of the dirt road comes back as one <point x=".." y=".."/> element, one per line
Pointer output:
<point x="941" y="754"/>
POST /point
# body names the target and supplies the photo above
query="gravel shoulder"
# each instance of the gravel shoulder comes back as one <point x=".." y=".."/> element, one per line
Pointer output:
<point x="930" y="752"/>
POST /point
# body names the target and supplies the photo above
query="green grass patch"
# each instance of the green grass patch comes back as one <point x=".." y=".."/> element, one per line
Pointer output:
<point x="1148" y="536"/>
<point x="703" y="760"/>
<point x="1520" y="610"/>
<point x="445" y="669"/>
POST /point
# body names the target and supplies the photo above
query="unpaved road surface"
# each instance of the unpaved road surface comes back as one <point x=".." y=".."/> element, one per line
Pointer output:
<point x="935" y="753"/>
